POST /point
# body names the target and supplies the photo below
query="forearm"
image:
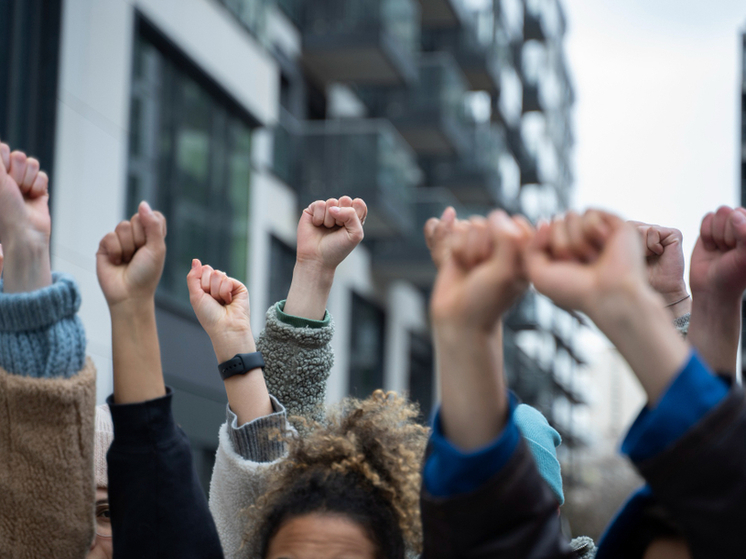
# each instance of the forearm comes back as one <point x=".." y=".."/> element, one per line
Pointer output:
<point x="138" y="376"/>
<point x="309" y="291"/>
<point x="640" y="328"/>
<point x="27" y="265"/>
<point x="714" y="330"/>
<point x="474" y="399"/>
<point x="247" y="393"/>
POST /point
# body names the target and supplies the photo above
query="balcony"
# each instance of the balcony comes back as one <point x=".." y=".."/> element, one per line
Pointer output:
<point x="476" y="177"/>
<point x="286" y="148"/>
<point x="477" y="56"/>
<point x="361" y="158"/>
<point x="373" y="42"/>
<point x="430" y="115"/>
<point x="543" y="20"/>
<point x="409" y="258"/>
<point x="252" y="14"/>
<point x="533" y="312"/>
<point x="442" y="13"/>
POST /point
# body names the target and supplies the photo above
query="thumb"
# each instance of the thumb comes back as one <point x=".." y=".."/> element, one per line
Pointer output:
<point x="194" y="282"/>
<point x="350" y="221"/>
<point x="153" y="223"/>
<point x="4" y="158"/>
<point x="738" y="219"/>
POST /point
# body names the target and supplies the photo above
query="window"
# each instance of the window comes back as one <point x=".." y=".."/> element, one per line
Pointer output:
<point x="421" y="372"/>
<point x="366" y="347"/>
<point x="190" y="157"/>
<point x="281" y="264"/>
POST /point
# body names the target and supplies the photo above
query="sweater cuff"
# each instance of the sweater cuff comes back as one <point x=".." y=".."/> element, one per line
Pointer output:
<point x="692" y="394"/>
<point x="143" y="424"/>
<point x="41" y="308"/>
<point x="41" y="336"/>
<point x="300" y="322"/>
<point x="682" y="324"/>
<point x="259" y="440"/>
<point x="449" y="471"/>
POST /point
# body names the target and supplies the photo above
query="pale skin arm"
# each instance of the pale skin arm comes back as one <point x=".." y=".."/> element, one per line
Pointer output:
<point x="718" y="279"/>
<point x="26" y="225"/>
<point x="129" y="266"/>
<point x="611" y="287"/>
<point x="221" y="304"/>
<point x="479" y="278"/>
<point x="327" y="232"/>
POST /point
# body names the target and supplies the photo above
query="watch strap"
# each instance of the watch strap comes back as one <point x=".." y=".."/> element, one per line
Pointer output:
<point x="241" y="364"/>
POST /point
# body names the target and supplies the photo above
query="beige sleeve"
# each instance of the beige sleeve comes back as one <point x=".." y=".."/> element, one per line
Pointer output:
<point x="46" y="465"/>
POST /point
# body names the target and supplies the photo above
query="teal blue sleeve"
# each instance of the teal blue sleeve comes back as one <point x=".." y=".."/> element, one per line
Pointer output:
<point x="41" y="335"/>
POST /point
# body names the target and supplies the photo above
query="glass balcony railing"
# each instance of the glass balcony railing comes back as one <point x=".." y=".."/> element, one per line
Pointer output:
<point x="430" y="114"/>
<point x="409" y="258"/>
<point x="361" y="158"/>
<point x="361" y="42"/>
<point x="252" y="14"/>
<point x="286" y="148"/>
<point x="291" y="8"/>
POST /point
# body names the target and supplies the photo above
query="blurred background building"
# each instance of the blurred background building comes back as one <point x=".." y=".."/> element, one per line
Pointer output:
<point x="230" y="116"/>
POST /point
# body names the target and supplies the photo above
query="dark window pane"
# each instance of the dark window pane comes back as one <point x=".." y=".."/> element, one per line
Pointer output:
<point x="421" y="367"/>
<point x="366" y="347"/>
<point x="281" y="264"/>
<point x="190" y="156"/>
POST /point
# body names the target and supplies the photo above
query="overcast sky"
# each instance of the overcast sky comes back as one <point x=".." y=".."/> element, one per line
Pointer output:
<point x="657" y="115"/>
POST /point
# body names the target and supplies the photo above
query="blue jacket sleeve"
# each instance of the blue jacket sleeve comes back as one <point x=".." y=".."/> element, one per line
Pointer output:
<point x="158" y="508"/>
<point x="449" y="471"/>
<point x="41" y="335"/>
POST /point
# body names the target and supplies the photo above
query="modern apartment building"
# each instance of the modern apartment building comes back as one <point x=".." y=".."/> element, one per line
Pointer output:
<point x="230" y="116"/>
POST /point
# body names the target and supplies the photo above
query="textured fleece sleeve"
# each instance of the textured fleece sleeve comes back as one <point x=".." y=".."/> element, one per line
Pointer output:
<point x="682" y="324"/>
<point x="257" y="440"/>
<point x="237" y="483"/>
<point x="46" y="465"/>
<point x="298" y="361"/>
<point x="41" y="335"/>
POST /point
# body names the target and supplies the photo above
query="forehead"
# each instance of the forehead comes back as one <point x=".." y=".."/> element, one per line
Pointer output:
<point x="321" y="536"/>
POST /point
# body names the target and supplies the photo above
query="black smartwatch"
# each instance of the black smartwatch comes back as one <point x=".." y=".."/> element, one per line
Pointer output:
<point x="241" y="364"/>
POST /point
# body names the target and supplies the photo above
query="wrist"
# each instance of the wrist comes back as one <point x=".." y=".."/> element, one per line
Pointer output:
<point x="27" y="264"/>
<point x="309" y="290"/>
<point x="319" y="274"/>
<point x="132" y="308"/>
<point x="229" y="344"/>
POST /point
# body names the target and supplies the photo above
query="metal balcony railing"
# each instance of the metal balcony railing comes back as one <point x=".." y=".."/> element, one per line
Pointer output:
<point x="362" y="158"/>
<point x="361" y="42"/>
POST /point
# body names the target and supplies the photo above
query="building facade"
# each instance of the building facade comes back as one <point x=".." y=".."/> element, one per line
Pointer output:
<point x="230" y="116"/>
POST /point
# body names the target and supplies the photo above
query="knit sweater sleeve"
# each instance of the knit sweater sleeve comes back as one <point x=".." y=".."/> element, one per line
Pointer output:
<point x="46" y="464"/>
<point x="298" y="358"/>
<point x="41" y="335"/>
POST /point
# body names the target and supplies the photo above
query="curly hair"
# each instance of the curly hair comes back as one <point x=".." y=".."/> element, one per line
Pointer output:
<point x="364" y="462"/>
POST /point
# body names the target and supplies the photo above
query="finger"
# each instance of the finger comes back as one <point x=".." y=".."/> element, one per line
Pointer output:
<point x="226" y="289"/>
<point x="215" y="281"/>
<point x="40" y="186"/>
<point x="138" y="231"/>
<point x="194" y="281"/>
<point x="361" y="208"/>
<point x="560" y="240"/>
<point x="431" y="226"/>
<point x="718" y="226"/>
<point x="5" y="155"/>
<point x="345" y="202"/>
<point x="17" y="168"/>
<point x="737" y="223"/>
<point x="126" y="240"/>
<point x="164" y="223"/>
<point x="524" y="225"/>
<point x="319" y="211"/>
<point x="349" y="220"/>
<point x="705" y="232"/>
<point x="2" y="258"/>
<point x="595" y="228"/>
<point x="207" y="272"/>
<point x="653" y="242"/>
<point x="111" y="248"/>
<point x="479" y="242"/>
<point x="32" y="170"/>
<point x="329" y="217"/>
<point x="154" y="225"/>
<point x="579" y="245"/>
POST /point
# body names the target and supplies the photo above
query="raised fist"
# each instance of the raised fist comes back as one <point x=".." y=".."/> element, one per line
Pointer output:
<point x="665" y="260"/>
<point x="481" y="274"/>
<point x="329" y="230"/>
<point x="584" y="262"/>
<point x="24" y="208"/>
<point x="718" y="265"/>
<point x="129" y="261"/>
<point x="221" y="303"/>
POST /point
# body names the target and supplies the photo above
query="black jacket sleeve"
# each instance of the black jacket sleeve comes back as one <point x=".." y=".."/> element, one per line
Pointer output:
<point x="158" y="508"/>
<point x="701" y="480"/>
<point x="512" y="516"/>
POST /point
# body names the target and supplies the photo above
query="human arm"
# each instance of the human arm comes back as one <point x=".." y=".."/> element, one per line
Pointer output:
<point x="47" y="389"/>
<point x="718" y="278"/>
<point x="157" y="506"/>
